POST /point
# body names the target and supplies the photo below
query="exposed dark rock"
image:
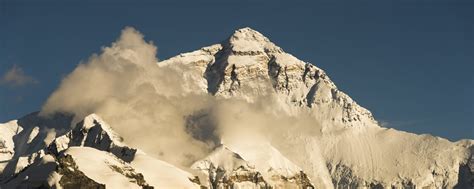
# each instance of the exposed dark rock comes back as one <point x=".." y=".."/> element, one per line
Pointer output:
<point x="72" y="177"/>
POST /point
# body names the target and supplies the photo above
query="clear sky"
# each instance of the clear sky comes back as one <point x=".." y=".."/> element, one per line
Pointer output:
<point x="410" y="62"/>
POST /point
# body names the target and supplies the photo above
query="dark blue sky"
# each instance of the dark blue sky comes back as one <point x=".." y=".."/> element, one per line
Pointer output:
<point x="411" y="62"/>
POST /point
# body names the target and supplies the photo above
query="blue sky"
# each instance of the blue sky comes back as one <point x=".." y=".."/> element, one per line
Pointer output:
<point x="410" y="62"/>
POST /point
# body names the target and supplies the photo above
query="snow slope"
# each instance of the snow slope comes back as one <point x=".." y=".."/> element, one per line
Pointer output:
<point x="102" y="167"/>
<point x="251" y="166"/>
<point x="90" y="155"/>
<point x="161" y="174"/>
<point x="7" y="131"/>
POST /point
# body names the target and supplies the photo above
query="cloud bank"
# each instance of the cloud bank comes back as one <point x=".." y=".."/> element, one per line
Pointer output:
<point x="155" y="109"/>
<point x="143" y="102"/>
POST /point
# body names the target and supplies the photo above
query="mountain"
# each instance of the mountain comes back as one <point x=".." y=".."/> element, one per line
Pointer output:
<point x="257" y="165"/>
<point x="92" y="154"/>
<point x="342" y="146"/>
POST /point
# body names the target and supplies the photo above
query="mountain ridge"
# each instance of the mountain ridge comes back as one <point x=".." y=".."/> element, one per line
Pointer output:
<point x="320" y="137"/>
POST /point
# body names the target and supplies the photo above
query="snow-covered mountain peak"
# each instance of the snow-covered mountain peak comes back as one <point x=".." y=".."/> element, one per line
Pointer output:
<point x="328" y="142"/>
<point x="249" y="41"/>
<point x="94" y="132"/>
<point x="89" y="155"/>
<point x="93" y="120"/>
<point x="248" y="66"/>
<point x="266" y="158"/>
<point x="222" y="158"/>
<point x="254" y="166"/>
<point x="249" y="32"/>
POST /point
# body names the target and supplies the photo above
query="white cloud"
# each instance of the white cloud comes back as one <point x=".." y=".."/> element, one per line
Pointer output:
<point x="15" y="77"/>
<point x="144" y="103"/>
<point x="149" y="105"/>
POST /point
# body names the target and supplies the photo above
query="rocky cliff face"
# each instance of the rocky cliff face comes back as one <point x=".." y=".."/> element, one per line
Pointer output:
<point x="350" y="149"/>
<point x="93" y="132"/>
<point x="249" y="65"/>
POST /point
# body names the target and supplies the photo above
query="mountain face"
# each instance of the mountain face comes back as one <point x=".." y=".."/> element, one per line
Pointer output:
<point x="256" y="167"/>
<point x="349" y="149"/>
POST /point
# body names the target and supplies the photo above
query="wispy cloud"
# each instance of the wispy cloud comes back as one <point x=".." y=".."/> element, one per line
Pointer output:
<point x="16" y="77"/>
<point x="402" y="123"/>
